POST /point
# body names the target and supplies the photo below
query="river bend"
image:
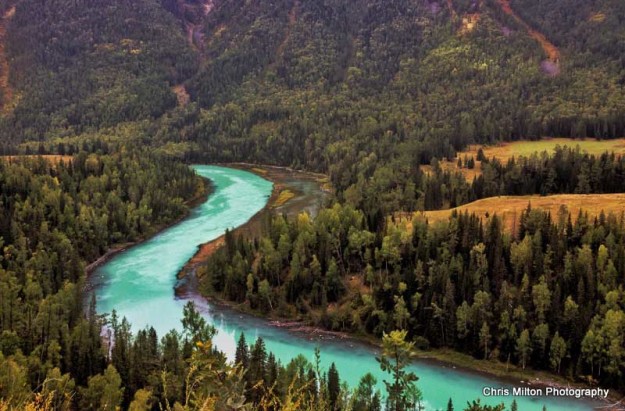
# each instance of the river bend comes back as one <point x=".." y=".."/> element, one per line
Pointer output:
<point x="139" y="284"/>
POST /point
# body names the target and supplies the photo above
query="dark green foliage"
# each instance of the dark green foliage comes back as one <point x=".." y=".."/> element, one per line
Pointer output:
<point x="403" y="394"/>
<point x="242" y="356"/>
<point x="334" y="387"/>
<point x="476" y="406"/>
<point x="363" y="84"/>
<point x="332" y="86"/>
<point x="545" y="296"/>
<point x="366" y="396"/>
<point x="92" y="64"/>
<point x="55" y="218"/>
<point x="365" y="90"/>
<point x="566" y="170"/>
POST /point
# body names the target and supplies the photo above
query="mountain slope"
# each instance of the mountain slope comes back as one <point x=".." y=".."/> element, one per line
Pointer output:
<point x="88" y="64"/>
<point x="317" y="84"/>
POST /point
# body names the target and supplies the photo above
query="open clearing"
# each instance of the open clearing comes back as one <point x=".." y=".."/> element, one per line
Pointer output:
<point x="510" y="207"/>
<point x="505" y="151"/>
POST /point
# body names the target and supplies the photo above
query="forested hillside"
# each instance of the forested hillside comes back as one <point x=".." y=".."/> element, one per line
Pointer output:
<point x="549" y="296"/>
<point x="344" y="80"/>
<point x="367" y="91"/>
<point x="84" y="65"/>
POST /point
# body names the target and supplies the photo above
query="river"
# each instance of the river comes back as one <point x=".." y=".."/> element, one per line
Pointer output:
<point x="139" y="284"/>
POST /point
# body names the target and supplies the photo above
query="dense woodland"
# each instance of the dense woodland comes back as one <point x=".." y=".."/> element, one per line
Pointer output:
<point x="57" y="217"/>
<point x="548" y="294"/>
<point x="366" y="91"/>
<point x="345" y="80"/>
<point x="86" y="65"/>
<point x="549" y="297"/>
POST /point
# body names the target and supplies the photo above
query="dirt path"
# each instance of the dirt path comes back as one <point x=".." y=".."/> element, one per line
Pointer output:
<point x="552" y="52"/>
<point x="5" y="87"/>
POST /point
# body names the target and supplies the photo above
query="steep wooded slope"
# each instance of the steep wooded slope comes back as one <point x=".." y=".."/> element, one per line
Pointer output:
<point x="343" y="80"/>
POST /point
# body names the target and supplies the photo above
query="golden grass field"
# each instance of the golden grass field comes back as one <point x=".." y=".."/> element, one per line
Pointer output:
<point x="510" y="207"/>
<point x="505" y="151"/>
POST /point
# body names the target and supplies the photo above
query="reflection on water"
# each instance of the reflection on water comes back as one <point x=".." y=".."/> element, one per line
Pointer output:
<point x="139" y="283"/>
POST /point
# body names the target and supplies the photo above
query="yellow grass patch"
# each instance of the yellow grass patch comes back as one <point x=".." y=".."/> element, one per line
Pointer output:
<point x="105" y="47"/>
<point x="510" y="208"/>
<point x="259" y="170"/>
<point x="325" y="183"/>
<point x="220" y="30"/>
<point x="284" y="197"/>
<point x="181" y="94"/>
<point x="505" y="151"/>
<point x="356" y="283"/>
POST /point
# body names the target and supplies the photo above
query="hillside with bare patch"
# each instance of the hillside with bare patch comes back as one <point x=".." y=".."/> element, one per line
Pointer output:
<point x="551" y="51"/>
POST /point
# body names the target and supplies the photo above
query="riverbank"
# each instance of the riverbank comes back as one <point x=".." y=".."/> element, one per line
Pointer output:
<point x="292" y="193"/>
<point x="446" y="358"/>
<point x="508" y="374"/>
<point x="200" y="196"/>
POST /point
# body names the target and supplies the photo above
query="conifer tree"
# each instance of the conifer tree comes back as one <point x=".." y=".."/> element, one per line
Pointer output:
<point x="241" y="356"/>
<point x="334" y="386"/>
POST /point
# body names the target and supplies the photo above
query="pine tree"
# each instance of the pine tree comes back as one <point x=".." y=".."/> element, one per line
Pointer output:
<point x="257" y="369"/>
<point x="480" y="155"/>
<point x="471" y="163"/>
<point x="365" y="395"/>
<point x="272" y="370"/>
<point x="485" y="338"/>
<point x="524" y="347"/>
<point x="334" y="386"/>
<point x="241" y="356"/>
<point x="557" y="352"/>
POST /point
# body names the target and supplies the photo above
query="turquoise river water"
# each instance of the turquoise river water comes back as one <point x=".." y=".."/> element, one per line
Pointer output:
<point x="139" y="284"/>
